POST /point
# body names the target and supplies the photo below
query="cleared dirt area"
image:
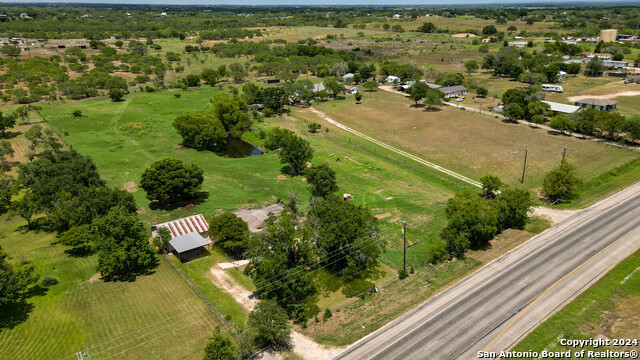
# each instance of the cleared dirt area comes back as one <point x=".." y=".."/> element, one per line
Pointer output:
<point x="604" y="97"/>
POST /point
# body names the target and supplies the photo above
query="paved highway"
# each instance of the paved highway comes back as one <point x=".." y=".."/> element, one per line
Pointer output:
<point x="497" y="305"/>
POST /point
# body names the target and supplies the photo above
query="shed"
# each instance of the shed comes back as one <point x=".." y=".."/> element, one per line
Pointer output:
<point x="187" y="242"/>
<point x="393" y="79"/>
<point x="347" y="77"/>
<point x="318" y="88"/>
<point x="562" y="108"/>
<point x="598" y="104"/>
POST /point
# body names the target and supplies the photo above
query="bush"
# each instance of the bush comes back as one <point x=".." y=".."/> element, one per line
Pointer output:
<point x="314" y="127"/>
<point x="77" y="113"/>
<point x="116" y="95"/>
<point x="327" y="315"/>
<point x="177" y="95"/>
<point x="48" y="281"/>
<point x="268" y="112"/>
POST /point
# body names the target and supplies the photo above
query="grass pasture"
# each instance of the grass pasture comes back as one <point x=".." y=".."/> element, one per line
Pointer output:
<point x="482" y="144"/>
<point x="154" y="317"/>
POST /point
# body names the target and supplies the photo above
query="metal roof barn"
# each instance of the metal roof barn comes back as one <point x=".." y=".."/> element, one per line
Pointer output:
<point x="187" y="225"/>
<point x="184" y="243"/>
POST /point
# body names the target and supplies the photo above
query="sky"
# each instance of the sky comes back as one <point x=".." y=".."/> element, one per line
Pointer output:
<point x="319" y="2"/>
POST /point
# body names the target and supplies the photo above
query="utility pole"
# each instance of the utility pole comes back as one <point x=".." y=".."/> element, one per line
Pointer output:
<point x="564" y="152"/>
<point x="404" y="235"/>
<point x="524" y="167"/>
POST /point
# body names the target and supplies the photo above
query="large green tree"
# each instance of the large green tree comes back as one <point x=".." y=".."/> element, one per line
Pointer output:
<point x="14" y="281"/>
<point x="269" y="325"/>
<point x="295" y="152"/>
<point x="232" y="112"/>
<point x="170" y="180"/>
<point x="201" y="131"/>
<point x="561" y="184"/>
<point x="347" y="234"/>
<point x="230" y="232"/>
<point x="322" y="180"/>
<point x="122" y="244"/>
<point x="418" y="91"/>
<point x="6" y="122"/>
<point x="220" y="347"/>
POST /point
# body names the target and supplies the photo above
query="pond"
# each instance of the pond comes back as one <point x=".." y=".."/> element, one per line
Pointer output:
<point x="238" y="148"/>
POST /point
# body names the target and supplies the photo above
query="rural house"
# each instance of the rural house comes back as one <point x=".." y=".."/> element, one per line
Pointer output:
<point x="187" y="234"/>
<point x="598" y="104"/>
<point x="453" y="91"/>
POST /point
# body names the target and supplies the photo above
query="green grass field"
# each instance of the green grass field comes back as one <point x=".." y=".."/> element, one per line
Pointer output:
<point x="154" y="317"/>
<point x="609" y="307"/>
<point x="469" y="143"/>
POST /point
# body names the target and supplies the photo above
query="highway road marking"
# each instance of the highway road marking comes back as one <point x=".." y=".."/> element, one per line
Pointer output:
<point x="552" y="286"/>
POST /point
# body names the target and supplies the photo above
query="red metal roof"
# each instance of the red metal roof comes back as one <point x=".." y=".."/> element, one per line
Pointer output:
<point x="187" y="225"/>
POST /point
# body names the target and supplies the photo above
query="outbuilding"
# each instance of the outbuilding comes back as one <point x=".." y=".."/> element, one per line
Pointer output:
<point x="560" y="108"/>
<point x="187" y="234"/>
<point x="598" y="104"/>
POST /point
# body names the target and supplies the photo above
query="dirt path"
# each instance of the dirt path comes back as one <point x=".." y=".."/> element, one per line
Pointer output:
<point x="555" y="216"/>
<point x="604" y="97"/>
<point x="302" y="345"/>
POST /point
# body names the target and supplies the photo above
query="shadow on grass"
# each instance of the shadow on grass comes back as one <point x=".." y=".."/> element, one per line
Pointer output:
<point x="10" y="135"/>
<point x="432" y="109"/>
<point x="80" y="251"/>
<point x="199" y="199"/>
<point x="132" y="275"/>
<point x="13" y="314"/>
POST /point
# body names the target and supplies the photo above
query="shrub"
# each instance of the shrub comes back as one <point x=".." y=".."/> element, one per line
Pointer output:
<point x="314" y="127"/>
<point x="327" y="315"/>
<point x="77" y="113"/>
<point x="48" y="281"/>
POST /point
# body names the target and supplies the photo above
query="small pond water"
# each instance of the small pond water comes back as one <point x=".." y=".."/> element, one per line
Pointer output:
<point x="238" y="148"/>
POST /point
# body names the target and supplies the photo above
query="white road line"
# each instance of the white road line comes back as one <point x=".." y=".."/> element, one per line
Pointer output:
<point x="398" y="151"/>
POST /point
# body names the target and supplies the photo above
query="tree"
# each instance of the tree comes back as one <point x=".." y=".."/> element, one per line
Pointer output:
<point x="24" y="111"/>
<point x="283" y="248"/>
<point x="594" y="67"/>
<point x="274" y="98"/>
<point x="482" y="91"/>
<point x="561" y="184"/>
<point x="201" y="131"/>
<point x="270" y="325"/>
<point x="219" y="347"/>
<point x="370" y="85"/>
<point x="10" y="50"/>
<point x="471" y="66"/>
<point x="358" y="97"/>
<point x="313" y="127"/>
<point x="450" y="79"/>
<point x="427" y="28"/>
<point x="14" y="281"/>
<point x="514" y="206"/>
<point x="472" y="222"/>
<point x="6" y="150"/>
<point x="562" y="123"/>
<point x="237" y="72"/>
<point x="489" y="30"/>
<point x="80" y="238"/>
<point x="232" y="111"/>
<point x="514" y="111"/>
<point x="490" y="186"/>
<point x="210" y="76"/>
<point x="433" y="97"/>
<point x="333" y="87"/>
<point x="295" y="152"/>
<point x="347" y="231"/>
<point x="230" y="232"/>
<point x="169" y="181"/>
<point x="6" y="122"/>
<point x="116" y="95"/>
<point x="322" y="180"/>
<point x="418" y="91"/>
<point x="45" y="138"/>
<point x="162" y="238"/>
<point x="532" y="78"/>
<point x="122" y="244"/>
<point x="26" y="207"/>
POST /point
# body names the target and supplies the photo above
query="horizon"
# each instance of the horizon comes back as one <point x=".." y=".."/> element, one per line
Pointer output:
<point x="321" y="2"/>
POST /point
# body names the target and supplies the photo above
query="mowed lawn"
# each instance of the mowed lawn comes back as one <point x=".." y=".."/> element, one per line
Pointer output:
<point x="469" y="143"/>
<point x="156" y="316"/>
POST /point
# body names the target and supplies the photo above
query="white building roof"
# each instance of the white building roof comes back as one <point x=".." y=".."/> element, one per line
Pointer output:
<point x="563" y="108"/>
<point x="188" y="242"/>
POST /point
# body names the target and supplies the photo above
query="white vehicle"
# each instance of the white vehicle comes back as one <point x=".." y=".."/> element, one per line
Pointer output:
<point x="552" y="88"/>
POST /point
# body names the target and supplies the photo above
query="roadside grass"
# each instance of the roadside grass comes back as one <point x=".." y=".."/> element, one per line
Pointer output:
<point x="396" y="297"/>
<point x="609" y="308"/>
<point x="112" y="319"/>
<point x="482" y="144"/>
